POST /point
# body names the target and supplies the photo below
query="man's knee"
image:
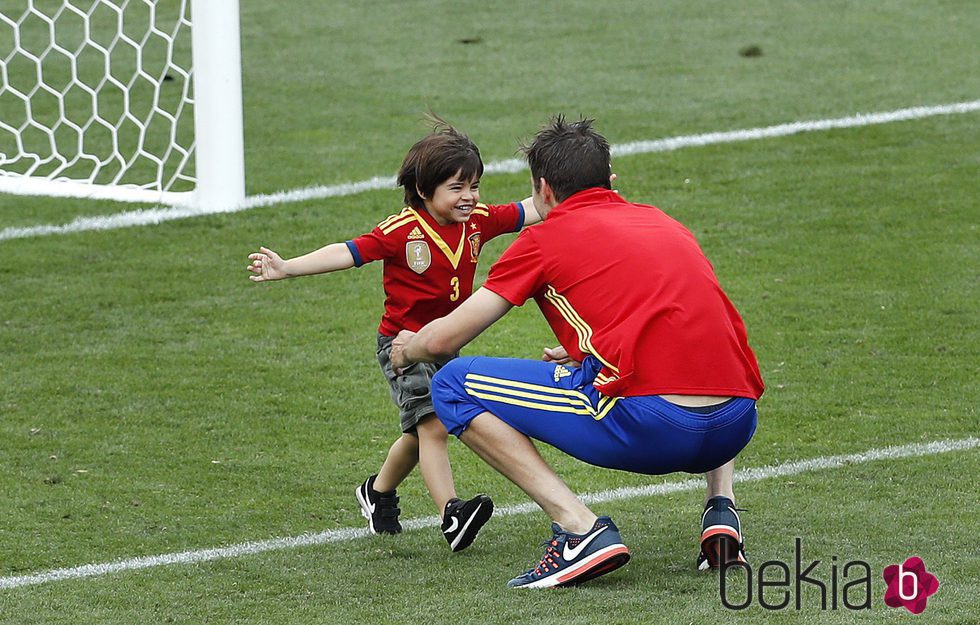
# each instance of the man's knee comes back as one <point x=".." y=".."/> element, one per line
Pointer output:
<point x="447" y="383"/>
<point x="454" y="406"/>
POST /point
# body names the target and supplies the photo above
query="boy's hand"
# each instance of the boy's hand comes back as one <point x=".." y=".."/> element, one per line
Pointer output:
<point x="267" y="265"/>
<point x="559" y="356"/>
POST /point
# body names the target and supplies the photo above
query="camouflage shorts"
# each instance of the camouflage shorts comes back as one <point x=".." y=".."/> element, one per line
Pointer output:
<point x="409" y="391"/>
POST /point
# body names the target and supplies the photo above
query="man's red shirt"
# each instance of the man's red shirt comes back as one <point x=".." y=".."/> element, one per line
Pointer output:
<point x="629" y="285"/>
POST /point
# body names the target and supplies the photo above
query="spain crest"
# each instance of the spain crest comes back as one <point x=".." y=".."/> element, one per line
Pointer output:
<point x="418" y="256"/>
<point x="474" y="240"/>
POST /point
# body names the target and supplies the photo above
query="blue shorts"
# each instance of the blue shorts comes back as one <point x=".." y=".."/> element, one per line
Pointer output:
<point x="558" y="405"/>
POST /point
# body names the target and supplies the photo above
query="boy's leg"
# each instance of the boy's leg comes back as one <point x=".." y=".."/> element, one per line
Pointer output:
<point x="722" y="541"/>
<point x="461" y="520"/>
<point x="377" y="497"/>
<point x="401" y="459"/>
<point x="433" y="457"/>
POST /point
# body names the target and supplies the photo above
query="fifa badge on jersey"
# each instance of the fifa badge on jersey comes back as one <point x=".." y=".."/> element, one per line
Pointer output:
<point x="418" y="256"/>
<point x="561" y="372"/>
<point x="474" y="240"/>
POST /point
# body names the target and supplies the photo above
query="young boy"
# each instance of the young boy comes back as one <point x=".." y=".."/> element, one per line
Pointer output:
<point x="430" y="251"/>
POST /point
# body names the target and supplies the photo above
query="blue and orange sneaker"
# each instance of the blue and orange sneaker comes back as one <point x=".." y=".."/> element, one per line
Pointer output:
<point x="571" y="559"/>
<point x="721" y="535"/>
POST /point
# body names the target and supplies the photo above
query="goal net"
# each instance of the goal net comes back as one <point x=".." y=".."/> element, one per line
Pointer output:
<point x="111" y="99"/>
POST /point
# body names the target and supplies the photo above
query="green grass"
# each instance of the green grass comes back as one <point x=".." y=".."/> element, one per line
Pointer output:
<point x="383" y="579"/>
<point x="154" y="401"/>
<point x="345" y="98"/>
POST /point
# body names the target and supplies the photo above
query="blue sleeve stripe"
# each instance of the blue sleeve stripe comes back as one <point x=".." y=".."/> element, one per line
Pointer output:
<point x="520" y="217"/>
<point x="358" y="261"/>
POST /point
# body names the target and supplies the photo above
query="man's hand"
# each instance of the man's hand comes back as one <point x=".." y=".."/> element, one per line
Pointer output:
<point x="398" y="359"/>
<point x="559" y="356"/>
<point x="267" y="265"/>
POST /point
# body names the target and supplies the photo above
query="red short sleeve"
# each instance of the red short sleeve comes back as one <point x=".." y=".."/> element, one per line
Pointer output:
<point x="519" y="273"/>
<point x="502" y="219"/>
<point x="374" y="245"/>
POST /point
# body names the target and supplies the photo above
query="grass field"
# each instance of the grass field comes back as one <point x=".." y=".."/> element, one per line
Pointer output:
<point x="155" y="401"/>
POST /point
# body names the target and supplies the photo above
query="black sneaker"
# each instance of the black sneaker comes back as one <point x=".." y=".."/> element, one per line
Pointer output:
<point x="571" y="559"/>
<point x="380" y="509"/>
<point x="721" y="535"/>
<point x="463" y="519"/>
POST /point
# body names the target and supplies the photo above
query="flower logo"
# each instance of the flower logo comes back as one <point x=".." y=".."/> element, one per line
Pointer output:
<point x="909" y="585"/>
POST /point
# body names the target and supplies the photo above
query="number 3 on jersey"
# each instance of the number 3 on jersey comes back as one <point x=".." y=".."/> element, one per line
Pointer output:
<point x="454" y="284"/>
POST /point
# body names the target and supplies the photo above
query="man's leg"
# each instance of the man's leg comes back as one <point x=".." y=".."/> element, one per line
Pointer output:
<point x="720" y="482"/>
<point x="482" y="401"/>
<point x="721" y="527"/>
<point x="583" y="546"/>
<point x="722" y="542"/>
<point x="515" y="456"/>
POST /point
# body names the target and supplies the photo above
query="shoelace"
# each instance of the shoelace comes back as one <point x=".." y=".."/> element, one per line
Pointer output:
<point x="550" y="553"/>
<point x="740" y="529"/>
<point x="733" y="508"/>
<point x="741" y="545"/>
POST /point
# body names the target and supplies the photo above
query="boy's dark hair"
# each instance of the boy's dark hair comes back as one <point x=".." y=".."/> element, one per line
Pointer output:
<point x="571" y="156"/>
<point x="436" y="158"/>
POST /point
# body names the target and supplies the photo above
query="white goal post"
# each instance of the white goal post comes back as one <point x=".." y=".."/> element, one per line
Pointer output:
<point x="128" y="100"/>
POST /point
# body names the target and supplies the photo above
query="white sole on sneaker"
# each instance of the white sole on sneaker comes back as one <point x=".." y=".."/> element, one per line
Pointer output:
<point x="365" y="508"/>
<point x="606" y="560"/>
<point x="486" y="506"/>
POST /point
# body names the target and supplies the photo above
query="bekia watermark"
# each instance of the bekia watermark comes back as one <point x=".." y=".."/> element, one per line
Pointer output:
<point x="818" y="584"/>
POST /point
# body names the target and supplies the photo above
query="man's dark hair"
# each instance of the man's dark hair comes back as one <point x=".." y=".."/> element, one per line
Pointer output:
<point x="434" y="159"/>
<point x="571" y="156"/>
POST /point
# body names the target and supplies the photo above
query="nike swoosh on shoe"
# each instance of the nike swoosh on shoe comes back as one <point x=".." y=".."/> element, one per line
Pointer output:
<point x="570" y="553"/>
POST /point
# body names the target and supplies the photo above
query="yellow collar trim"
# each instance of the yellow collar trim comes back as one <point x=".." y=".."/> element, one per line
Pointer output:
<point x="442" y="245"/>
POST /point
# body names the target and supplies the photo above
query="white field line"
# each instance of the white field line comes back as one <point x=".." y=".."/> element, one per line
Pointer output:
<point x="348" y="534"/>
<point x="145" y="217"/>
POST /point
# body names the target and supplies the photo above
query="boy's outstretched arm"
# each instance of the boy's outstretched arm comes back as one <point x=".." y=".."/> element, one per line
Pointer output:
<point x="267" y="265"/>
<point x="531" y="215"/>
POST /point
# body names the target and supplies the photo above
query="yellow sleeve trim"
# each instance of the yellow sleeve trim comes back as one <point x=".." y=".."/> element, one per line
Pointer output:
<point x="391" y="219"/>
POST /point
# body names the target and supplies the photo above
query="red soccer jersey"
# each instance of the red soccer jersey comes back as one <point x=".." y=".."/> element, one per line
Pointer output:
<point x="429" y="268"/>
<point x="629" y="285"/>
